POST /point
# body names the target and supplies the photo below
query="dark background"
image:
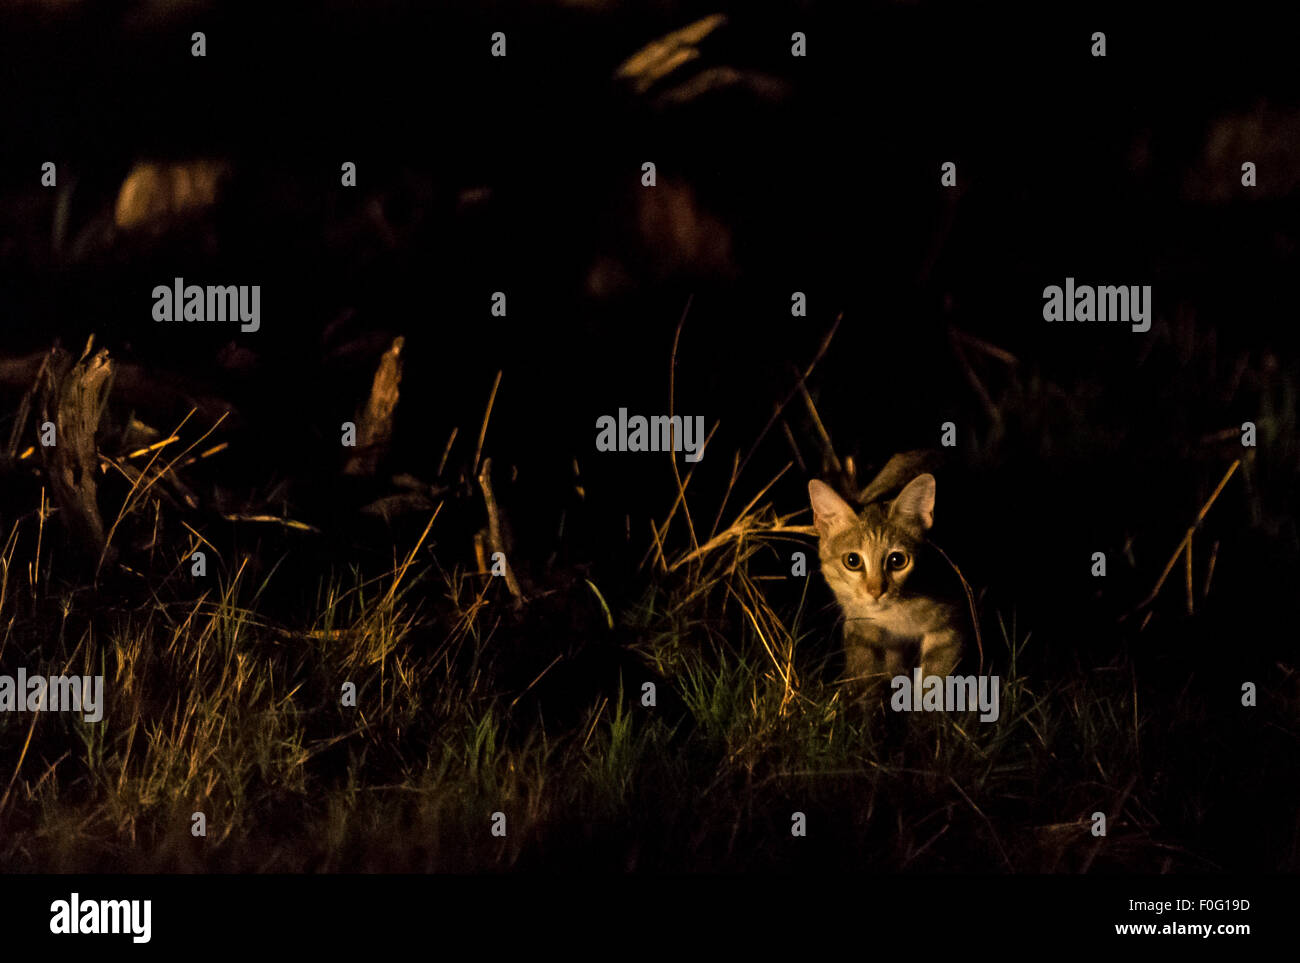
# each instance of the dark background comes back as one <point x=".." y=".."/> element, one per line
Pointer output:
<point x="816" y="174"/>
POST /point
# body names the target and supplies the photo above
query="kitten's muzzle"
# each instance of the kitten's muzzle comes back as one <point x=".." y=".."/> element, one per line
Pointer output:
<point x="875" y="587"/>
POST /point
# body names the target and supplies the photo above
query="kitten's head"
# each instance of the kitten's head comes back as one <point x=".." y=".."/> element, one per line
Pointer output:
<point x="867" y="557"/>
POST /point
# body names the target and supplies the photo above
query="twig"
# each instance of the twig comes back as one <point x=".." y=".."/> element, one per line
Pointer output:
<point x="495" y="541"/>
<point x="274" y="520"/>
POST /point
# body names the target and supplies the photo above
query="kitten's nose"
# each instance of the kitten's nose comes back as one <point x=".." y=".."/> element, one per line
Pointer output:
<point x="875" y="587"/>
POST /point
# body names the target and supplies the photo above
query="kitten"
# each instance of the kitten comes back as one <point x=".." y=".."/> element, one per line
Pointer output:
<point x="877" y="564"/>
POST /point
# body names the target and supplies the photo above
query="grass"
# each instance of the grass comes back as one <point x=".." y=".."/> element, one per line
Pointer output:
<point x="226" y="700"/>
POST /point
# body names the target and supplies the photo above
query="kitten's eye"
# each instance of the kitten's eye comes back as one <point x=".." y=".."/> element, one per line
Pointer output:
<point x="853" y="561"/>
<point x="896" y="561"/>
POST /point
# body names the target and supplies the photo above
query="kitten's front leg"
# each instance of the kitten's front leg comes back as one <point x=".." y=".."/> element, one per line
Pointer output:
<point x="864" y="662"/>
<point x="864" y="656"/>
<point x="940" y="651"/>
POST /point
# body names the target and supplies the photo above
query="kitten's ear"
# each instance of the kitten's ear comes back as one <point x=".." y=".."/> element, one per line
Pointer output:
<point x="830" y="512"/>
<point x="915" y="503"/>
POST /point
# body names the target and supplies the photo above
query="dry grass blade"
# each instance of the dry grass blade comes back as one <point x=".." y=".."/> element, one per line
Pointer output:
<point x="996" y="427"/>
<point x="660" y="57"/>
<point x="970" y="602"/>
<point x="215" y="449"/>
<point x="1114" y="814"/>
<point x="987" y="822"/>
<point x="410" y="557"/>
<point x="794" y="447"/>
<point x="150" y="449"/>
<point x="446" y="451"/>
<point x="138" y="490"/>
<point x="829" y="458"/>
<point x="744" y="524"/>
<point x="482" y="432"/>
<point x="979" y="344"/>
<point x="1186" y="540"/>
<point x="726" y="495"/>
<point x="672" y="397"/>
<point x="662" y="530"/>
<point x="799" y="383"/>
<point x="25" y="405"/>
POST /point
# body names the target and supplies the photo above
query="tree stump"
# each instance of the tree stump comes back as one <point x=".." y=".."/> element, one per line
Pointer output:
<point x="72" y="400"/>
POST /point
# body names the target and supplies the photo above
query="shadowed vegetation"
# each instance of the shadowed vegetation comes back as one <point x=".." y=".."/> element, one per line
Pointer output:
<point x="224" y="690"/>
